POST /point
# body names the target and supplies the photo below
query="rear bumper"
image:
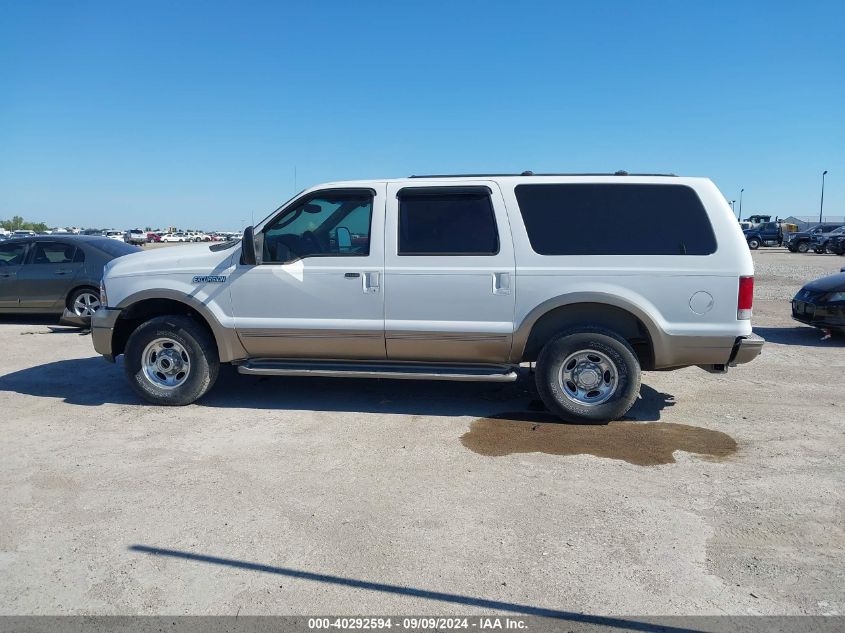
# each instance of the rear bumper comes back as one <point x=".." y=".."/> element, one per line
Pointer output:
<point x="746" y="349"/>
<point x="69" y="318"/>
<point x="818" y="315"/>
<point x="102" y="331"/>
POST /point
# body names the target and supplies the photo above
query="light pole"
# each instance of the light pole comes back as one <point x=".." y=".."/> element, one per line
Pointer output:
<point x="739" y="217"/>
<point x="821" y="206"/>
<point x="733" y="203"/>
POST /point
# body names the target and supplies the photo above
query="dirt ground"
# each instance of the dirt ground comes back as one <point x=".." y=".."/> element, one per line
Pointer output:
<point x="718" y="494"/>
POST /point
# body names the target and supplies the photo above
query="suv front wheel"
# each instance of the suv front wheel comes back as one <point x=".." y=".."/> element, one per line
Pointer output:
<point x="589" y="375"/>
<point x="171" y="360"/>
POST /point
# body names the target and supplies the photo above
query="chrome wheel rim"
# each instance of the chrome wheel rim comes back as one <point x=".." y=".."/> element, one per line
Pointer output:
<point x="588" y="377"/>
<point x="86" y="304"/>
<point x="166" y="363"/>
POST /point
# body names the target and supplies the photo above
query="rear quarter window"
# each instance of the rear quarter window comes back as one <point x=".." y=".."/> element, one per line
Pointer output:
<point x="615" y="219"/>
<point x="114" y="248"/>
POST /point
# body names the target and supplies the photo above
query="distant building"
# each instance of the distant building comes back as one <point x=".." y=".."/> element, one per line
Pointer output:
<point x="806" y="221"/>
<point x="801" y="224"/>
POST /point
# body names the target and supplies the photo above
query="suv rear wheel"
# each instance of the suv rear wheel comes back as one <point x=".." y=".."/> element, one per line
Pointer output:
<point x="171" y="360"/>
<point x="803" y="247"/>
<point x="589" y="375"/>
<point x="753" y="243"/>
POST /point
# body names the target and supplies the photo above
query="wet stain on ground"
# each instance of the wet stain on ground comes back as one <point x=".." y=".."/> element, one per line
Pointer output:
<point x="639" y="443"/>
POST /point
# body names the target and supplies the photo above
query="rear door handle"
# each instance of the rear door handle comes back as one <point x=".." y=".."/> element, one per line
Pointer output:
<point x="62" y="272"/>
<point x="352" y="275"/>
<point x="501" y="283"/>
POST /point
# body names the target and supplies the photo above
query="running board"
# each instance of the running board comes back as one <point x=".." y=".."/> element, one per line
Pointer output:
<point x="376" y="369"/>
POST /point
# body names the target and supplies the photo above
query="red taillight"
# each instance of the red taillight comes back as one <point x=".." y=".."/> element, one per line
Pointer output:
<point x="745" y="299"/>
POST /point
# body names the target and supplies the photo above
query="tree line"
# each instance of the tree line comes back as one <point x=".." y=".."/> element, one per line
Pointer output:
<point x="17" y="223"/>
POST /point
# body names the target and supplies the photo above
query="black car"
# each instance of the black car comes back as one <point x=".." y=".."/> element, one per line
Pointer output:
<point x="806" y="240"/>
<point x="55" y="274"/>
<point x="821" y="303"/>
<point x="836" y="244"/>
<point x="824" y="242"/>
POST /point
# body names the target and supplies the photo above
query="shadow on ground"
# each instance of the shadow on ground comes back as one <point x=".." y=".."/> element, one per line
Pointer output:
<point x="805" y="336"/>
<point x="614" y="623"/>
<point x="92" y="382"/>
<point x="29" y="319"/>
<point x="55" y="324"/>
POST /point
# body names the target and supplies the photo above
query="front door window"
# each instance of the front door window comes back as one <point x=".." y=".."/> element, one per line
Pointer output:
<point x="324" y="225"/>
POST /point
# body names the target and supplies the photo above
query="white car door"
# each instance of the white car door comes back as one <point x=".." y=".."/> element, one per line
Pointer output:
<point x="317" y="292"/>
<point x="449" y="272"/>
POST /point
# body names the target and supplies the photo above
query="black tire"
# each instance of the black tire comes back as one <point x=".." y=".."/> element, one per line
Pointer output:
<point x="196" y="342"/>
<point x="802" y="247"/>
<point x="753" y="243"/>
<point x="819" y="250"/>
<point x="791" y="249"/>
<point x="614" y="348"/>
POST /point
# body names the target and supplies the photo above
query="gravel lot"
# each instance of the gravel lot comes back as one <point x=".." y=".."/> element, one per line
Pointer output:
<point x="719" y="494"/>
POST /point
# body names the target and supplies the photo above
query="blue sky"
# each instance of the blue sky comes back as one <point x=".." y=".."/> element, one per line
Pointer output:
<point x="152" y="113"/>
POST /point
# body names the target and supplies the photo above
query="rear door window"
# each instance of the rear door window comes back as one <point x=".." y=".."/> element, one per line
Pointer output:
<point x="53" y="253"/>
<point x="615" y="219"/>
<point x="447" y="221"/>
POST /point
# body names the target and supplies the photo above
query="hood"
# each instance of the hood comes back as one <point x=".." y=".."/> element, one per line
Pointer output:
<point x="196" y="259"/>
<point x="834" y="283"/>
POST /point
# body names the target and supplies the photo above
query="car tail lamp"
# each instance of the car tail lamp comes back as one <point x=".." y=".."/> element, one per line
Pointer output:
<point x="745" y="298"/>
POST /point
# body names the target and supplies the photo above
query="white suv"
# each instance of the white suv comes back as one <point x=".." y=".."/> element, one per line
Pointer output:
<point x="594" y="277"/>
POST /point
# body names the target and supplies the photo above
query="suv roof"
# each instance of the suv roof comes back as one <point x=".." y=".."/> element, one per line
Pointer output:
<point x="531" y="173"/>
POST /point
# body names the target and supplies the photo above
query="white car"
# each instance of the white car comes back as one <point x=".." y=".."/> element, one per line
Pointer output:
<point x="114" y="234"/>
<point x="175" y="237"/>
<point x="449" y="278"/>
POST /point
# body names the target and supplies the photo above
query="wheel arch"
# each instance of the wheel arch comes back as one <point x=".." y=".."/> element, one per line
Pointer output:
<point x="593" y="309"/>
<point x="142" y="306"/>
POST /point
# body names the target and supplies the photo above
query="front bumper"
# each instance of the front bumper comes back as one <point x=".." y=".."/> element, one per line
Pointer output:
<point x="102" y="331"/>
<point x="746" y="349"/>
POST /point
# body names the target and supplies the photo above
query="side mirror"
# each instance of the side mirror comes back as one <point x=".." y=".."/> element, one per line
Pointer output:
<point x="344" y="239"/>
<point x="249" y="250"/>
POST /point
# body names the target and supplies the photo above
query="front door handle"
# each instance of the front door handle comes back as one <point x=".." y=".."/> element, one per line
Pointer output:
<point x="352" y="275"/>
<point x="61" y="272"/>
